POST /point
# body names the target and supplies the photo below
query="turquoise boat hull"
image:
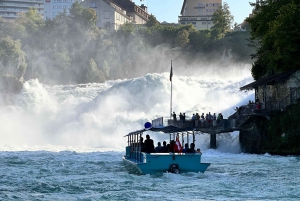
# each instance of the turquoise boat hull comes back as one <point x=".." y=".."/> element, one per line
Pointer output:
<point x="161" y="162"/>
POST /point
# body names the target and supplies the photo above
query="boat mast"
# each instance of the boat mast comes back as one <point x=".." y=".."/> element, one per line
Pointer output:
<point x="171" y="75"/>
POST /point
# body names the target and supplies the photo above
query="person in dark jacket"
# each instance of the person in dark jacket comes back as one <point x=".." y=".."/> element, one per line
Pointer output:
<point x="149" y="145"/>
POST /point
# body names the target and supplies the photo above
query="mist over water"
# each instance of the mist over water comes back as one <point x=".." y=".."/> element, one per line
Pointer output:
<point x="99" y="115"/>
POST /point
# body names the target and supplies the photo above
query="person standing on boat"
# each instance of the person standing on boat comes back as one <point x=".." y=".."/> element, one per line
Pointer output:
<point x="186" y="147"/>
<point x="164" y="148"/>
<point x="191" y="150"/>
<point x="158" y="148"/>
<point x="149" y="145"/>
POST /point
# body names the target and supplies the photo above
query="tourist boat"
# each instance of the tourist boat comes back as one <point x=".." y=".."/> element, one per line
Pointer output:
<point x="151" y="163"/>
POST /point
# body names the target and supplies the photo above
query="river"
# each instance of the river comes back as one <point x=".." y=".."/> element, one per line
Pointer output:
<point x="66" y="143"/>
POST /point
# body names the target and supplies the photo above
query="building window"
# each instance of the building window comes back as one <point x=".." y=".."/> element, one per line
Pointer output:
<point x="203" y="22"/>
<point x="193" y="22"/>
<point x="208" y="22"/>
<point x="182" y="22"/>
<point x="193" y="18"/>
<point x="93" y="5"/>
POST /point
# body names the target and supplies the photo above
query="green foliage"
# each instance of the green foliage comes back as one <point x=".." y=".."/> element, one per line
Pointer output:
<point x="275" y="33"/>
<point x="199" y="39"/>
<point x="284" y="131"/>
<point x="85" y="16"/>
<point x="12" y="58"/>
<point x="182" y="38"/>
<point x="93" y="73"/>
<point x="222" y="20"/>
<point x="152" y="22"/>
<point x="59" y="51"/>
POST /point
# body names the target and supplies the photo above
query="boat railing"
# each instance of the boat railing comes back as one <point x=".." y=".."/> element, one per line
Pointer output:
<point x="137" y="156"/>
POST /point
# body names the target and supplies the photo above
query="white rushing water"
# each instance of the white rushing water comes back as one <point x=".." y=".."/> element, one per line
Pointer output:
<point x="66" y="142"/>
<point x="98" y="115"/>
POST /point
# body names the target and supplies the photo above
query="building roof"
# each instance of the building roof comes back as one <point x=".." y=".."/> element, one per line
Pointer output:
<point x="129" y="6"/>
<point x="183" y="7"/>
<point x="268" y="80"/>
<point x="166" y="129"/>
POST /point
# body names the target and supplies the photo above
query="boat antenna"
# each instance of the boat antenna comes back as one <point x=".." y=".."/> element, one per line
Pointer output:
<point x="171" y="75"/>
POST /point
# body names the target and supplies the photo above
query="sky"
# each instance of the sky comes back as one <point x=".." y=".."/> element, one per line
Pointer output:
<point x="169" y="10"/>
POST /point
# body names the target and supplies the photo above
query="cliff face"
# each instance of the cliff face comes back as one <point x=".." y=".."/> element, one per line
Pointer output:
<point x="277" y="133"/>
<point x="9" y="87"/>
<point x="251" y="135"/>
<point x="251" y="128"/>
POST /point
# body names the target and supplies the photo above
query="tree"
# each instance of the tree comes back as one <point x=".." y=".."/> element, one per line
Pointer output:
<point x="182" y="38"/>
<point x="93" y="73"/>
<point x="275" y="33"/>
<point x="12" y="58"/>
<point x="85" y="16"/>
<point x="152" y="21"/>
<point x="222" y="20"/>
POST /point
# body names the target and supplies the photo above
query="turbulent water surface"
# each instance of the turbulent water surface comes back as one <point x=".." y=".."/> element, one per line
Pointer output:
<point x="66" y="143"/>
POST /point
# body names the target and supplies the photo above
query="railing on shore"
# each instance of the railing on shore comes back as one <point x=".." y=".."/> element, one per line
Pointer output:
<point x="265" y="108"/>
<point x="223" y="123"/>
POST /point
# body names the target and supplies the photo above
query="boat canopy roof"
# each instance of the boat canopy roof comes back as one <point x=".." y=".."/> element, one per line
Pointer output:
<point x="166" y="129"/>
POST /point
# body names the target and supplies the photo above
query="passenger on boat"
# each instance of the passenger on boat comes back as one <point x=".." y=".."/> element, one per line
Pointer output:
<point x="158" y="148"/>
<point x="172" y="146"/>
<point x="191" y="150"/>
<point x="149" y="145"/>
<point x="164" y="148"/>
<point x="168" y="147"/>
<point x="198" y="151"/>
<point x="186" y="147"/>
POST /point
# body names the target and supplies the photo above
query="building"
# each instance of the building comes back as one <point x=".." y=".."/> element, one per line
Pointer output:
<point x="9" y="9"/>
<point x="198" y="13"/>
<point x="276" y="92"/>
<point x="138" y="13"/>
<point x="111" y="14"/>
<point x="53" y="7"/>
